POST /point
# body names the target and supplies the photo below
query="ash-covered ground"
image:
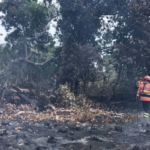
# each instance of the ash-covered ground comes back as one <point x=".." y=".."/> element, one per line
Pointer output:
<point x="25" y="129"/>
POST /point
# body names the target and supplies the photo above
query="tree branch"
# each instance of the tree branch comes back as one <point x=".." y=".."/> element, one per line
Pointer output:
<point x="30" y="55"/>
<point x="17" y="60"/>
<point x="40" y="64"/>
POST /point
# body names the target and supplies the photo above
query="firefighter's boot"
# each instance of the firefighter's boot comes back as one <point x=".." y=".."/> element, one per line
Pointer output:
<point x="145" y="122"/>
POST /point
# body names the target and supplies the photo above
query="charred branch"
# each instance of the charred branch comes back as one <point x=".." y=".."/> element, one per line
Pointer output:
<point x="20" y="92"/>
<point x="18" y="89"/>
<point x="25" y="98"/>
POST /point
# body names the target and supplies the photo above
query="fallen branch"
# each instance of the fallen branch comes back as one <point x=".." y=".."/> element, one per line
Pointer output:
<point x="50" y="106"/>
<point x="25" y="98"/>
<point x="20" y="89"/>
<point x="11" y="91"/>
<point x="23" y="112"/>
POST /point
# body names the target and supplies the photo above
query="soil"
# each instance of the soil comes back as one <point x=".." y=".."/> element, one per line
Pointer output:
<point x="116" y="129"/>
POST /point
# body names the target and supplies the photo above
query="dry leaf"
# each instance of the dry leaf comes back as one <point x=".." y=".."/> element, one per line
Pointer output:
<point x="21" y="144"/>
<point x="30" y="130"/>
<point x="10" y="147"/>
<point x="18" y="128"/>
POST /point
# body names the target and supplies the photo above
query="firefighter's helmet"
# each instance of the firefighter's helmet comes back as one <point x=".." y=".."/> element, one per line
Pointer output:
<point x="147" y="77"/>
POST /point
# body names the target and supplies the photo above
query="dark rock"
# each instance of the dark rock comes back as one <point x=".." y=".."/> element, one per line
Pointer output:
<point x="20" y="141"/>
<point x="22" y="135"/>
<point x="47" y="123"/>
<point x="136" y="147"/>
<point x="3" y="132"/>
<point x="71" y="124"/>
<point x="95" y="138"/>
<point x="55" y="124"/>
<point x="118" y="128"/>
<point x="51" y="139"/>
<point x="89" y="129"/>
<point x="1" y="141"/>
<point x="77" y="127"/>
<point x="27" y="142"/>
<point x="62" y="130"/>
<point x="4" y="122"/>
<point x="41" y="148"/>
<point x="143" y="148"/>
<point x="147" y="132"/>
<point x="10" y="138"/>
<point x="41" y="141"/>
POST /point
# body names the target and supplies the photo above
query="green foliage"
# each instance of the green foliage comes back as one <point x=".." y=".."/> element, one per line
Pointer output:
<point x="21" y="14"/>
<point x="80" y="57"/>
<point x="79" y="23"/>
<point x="131" y="49"/>
<point x="29" y="21"/>
<point x="78" y="62"/>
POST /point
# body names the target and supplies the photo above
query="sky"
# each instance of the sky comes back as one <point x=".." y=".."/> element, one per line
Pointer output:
<point x="4" y="33"/>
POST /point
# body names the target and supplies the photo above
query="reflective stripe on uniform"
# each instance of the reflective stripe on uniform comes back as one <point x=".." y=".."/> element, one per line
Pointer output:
<point x="145" y="92"/>
<point x="146" y="114"/>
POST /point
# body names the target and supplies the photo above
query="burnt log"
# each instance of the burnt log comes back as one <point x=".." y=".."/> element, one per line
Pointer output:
<point x="18" y="89"/>
<point x="21" y="93"/>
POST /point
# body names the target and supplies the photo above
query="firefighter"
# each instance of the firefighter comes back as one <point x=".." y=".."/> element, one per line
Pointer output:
<point x="139" y="81"/>
<point x="143" y="94"/>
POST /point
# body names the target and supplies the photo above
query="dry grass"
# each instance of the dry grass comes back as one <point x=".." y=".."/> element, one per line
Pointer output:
<point x="80" y="113"/>
<point x="84" y="113"/>
<point x="128" y="117"/>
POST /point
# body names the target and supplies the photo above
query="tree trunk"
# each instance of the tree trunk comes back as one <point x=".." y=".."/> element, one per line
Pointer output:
<point x="76" y="86"/>
<point x="71" y="86"/>
<point x="84" y="87"/>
